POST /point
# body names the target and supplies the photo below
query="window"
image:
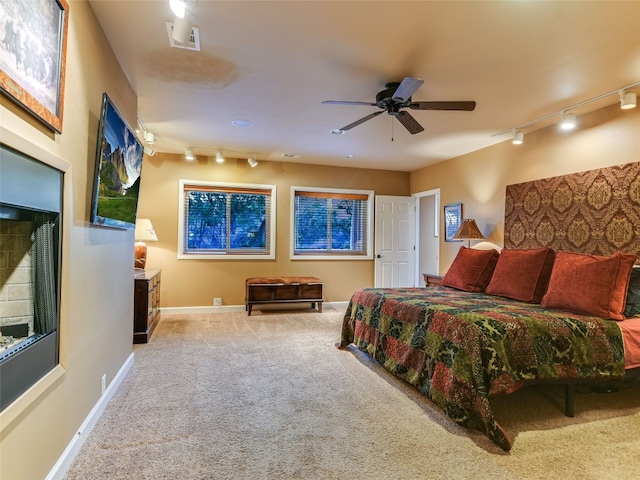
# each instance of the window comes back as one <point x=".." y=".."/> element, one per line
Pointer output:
<point x="331" y="224"/>
<point x="226" y="220"/>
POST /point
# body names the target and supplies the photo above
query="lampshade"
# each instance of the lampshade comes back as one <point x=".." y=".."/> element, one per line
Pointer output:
<point x="468" y="231"/>
<point x="144" y="233"/>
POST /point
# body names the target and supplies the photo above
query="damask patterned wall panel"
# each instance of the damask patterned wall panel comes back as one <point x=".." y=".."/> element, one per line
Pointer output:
<point x="595" y="212"/>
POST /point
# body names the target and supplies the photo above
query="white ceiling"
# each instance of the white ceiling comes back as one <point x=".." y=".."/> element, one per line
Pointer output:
<point x="274" y="62"/>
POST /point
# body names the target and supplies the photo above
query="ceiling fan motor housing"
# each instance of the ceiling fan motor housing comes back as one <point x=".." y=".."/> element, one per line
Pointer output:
<point x="384" y="99"/>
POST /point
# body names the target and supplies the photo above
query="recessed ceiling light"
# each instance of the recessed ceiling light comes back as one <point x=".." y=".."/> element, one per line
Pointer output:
<point x="351" y="155"/>
<point x="242" y="123"/>
<point x="291" y="155"/>
<point x="337" y="131"/>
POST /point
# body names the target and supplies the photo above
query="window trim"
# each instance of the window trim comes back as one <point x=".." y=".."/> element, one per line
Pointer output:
<point x="331" y="256"/>
<point x="222" y="255"/>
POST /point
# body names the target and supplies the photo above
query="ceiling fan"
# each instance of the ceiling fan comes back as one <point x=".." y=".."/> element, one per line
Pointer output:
<point x="395" y="97"/>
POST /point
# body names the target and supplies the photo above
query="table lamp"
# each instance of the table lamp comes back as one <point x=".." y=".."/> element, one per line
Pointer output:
<point x="469" y="231"/>
<point x="144" y="233"/>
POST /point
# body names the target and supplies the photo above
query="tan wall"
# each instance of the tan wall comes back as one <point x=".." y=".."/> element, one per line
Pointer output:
<point x="196" y="282"/>
<point x="97" y="281"/>
<point x="609" y="136"/>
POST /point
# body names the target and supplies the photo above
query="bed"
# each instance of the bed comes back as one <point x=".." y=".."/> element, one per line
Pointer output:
<point x="461" y="348"/>
<point x="560" y="303"/>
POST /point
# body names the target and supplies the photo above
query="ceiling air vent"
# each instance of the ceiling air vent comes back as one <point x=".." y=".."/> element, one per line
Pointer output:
<point x="291" y="155"/>
<point x="194" y="38"/>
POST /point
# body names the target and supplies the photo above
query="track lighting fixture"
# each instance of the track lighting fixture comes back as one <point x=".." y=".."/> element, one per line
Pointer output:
<point x="518" y="137"/>
<point x="149" y="151"/>
<point x="568" y="121"/>
<point x="149" y="137"/>
<point x="181" y="30"/>
<point x="252" y="161"/>
<point x="219" y="157"/>
<point x="188" y="154"/>
<point x="627" y="100"/>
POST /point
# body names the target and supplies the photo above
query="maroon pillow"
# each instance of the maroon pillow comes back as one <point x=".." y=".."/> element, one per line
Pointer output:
<point x="522" y="274"/>
<point x="471" y="270"/>
<point x="589" y="284"/>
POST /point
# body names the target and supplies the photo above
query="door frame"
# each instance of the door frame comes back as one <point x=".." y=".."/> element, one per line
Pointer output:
<point x="435" y="192"/>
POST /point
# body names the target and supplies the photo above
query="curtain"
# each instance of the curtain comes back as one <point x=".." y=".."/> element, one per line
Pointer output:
<point x="43" y="275"/>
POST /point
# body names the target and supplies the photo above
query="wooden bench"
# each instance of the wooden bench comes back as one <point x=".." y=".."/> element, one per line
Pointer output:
<point x="265" y="290"/>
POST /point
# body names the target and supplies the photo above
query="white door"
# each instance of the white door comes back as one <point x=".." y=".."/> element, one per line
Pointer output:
<point x="395" y="224"/>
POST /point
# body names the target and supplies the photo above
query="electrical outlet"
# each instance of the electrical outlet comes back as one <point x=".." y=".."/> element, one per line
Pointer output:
<point x="104" y="383"/>
<point x="217" y="301"/>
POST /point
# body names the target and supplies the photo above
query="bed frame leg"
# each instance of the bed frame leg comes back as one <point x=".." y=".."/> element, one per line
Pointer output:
<point x="569" y="396"/>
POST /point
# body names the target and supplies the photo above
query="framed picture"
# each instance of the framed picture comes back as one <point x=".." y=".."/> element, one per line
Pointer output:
<point x="33" y="46"/>
<point x="452" y="221"/>
<point x="118" y="165"/>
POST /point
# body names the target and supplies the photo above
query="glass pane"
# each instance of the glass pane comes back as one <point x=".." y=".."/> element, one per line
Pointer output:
<point x="311" y="226"/>
<point x="206" y="221"/>
<point x="343" y="226"/>
<point x="248" y="222"/>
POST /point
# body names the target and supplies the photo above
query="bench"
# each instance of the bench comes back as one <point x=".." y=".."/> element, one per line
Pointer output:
<point x="265" y="290"/>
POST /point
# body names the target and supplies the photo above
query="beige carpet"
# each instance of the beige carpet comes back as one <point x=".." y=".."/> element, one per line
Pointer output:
<point x="226" y="396"/>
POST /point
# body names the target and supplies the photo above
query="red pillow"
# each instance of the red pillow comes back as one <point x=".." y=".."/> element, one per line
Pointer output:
<point x="471" y="270"/>
<point x="590" y="284"/>
<point x="522" y="274"/>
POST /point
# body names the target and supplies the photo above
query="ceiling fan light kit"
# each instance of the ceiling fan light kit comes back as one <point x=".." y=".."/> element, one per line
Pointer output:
<point x="397" y="96"/>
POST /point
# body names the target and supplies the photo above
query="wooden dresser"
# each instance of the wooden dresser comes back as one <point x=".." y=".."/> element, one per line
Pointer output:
<point x="146" y="304"/>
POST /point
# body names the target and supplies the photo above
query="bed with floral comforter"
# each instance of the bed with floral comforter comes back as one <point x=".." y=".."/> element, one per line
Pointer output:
<point x="461" y="349"/>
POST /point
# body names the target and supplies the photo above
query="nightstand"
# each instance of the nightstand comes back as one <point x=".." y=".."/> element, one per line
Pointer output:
<point x="432" y="280"/>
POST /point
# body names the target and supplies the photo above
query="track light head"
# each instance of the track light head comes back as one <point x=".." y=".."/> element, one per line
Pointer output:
<point x="252" y="161"/>
<point x="518" y="137"/>
<point x="568" y="121"/>
<point x="149" y="151"/>
<point x="628" y="100"/>
<point x="188" y="154"/>
<point x="150" y="138"/>
<point x="219" y="157"/>
<point x="181" y="30"/>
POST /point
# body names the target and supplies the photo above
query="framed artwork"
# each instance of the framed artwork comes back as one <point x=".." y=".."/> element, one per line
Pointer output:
<point x="32" y="66"/>
<point x="118" y="165"/>
<point x="452" y="221"/>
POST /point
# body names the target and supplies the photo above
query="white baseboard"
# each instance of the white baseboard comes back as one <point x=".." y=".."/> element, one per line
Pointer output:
<point x="239" y="308"/>
<point x="66" y="459"/>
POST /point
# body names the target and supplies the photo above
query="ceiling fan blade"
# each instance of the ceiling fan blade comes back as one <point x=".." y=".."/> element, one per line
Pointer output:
<point x="410" y="123"/>
<point x="407" y="88"/>
<point x="341" y="102"/>
<point x="362" y="120"/>
<point x="466" y="106"/>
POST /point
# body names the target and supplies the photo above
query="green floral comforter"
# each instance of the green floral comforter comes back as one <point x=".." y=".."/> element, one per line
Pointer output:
<point x="461" y="349"/>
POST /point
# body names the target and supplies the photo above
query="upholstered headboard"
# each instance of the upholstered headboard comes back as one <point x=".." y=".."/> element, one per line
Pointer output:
<point x="595" y="212"/>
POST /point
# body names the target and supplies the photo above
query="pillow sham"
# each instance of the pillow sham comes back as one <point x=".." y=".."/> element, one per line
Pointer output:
<point x="632" y="307"/>
<point x="471" y="270"/>
<point x="522" y="274"/>
<point x="589" y="284"/>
